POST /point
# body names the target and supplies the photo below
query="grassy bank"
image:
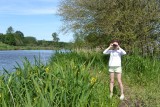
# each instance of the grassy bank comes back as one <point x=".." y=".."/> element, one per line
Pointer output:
<point x="9" y="47"/>
<point x="80" y="79"/>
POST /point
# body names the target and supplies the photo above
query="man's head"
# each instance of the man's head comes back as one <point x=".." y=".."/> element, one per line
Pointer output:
<point x="115" y="43"/>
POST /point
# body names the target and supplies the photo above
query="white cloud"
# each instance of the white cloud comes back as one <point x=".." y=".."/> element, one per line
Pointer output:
<point x="28" y="7"/>
<point x="30" y="11"/>
<point x="42" y="11"/>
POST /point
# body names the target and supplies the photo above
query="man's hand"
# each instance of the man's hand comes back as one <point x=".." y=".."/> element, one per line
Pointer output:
<point x="118" y="47"/>
<point x="111" y="46"/>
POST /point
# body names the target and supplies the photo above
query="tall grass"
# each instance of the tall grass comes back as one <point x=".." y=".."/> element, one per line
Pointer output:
<point x="79" y="79"/>
<point x="143" y="78"/>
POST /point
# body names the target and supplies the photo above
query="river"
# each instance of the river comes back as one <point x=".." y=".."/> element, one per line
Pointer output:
<point x="9" y="58"/>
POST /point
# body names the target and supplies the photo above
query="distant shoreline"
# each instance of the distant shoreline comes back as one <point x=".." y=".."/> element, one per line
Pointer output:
<point x="29" y="47"/>
<point x="8" y="47"/>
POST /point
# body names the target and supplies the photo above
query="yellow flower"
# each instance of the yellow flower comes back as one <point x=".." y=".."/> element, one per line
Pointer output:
<point x="34" y="98"/>
<point x="18" y="72"/>
<point x="47" y="69"/>
<point x="93" y="80"/>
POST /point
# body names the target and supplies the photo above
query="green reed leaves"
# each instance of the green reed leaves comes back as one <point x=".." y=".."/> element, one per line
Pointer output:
<point x="78" y="79"/>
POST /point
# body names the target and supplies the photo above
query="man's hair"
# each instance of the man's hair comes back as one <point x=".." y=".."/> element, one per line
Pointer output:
<point x="115" y="40"/>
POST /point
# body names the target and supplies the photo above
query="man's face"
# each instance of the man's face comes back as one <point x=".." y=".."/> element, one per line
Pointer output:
<point x="115" y="45"/>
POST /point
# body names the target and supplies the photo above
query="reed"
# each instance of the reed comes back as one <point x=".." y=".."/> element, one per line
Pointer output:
<point x="79" y="79"/>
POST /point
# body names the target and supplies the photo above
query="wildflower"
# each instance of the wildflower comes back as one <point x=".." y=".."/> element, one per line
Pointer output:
<point x="18" y="72"/>
<point x="93" y="80"/>
<point x="36" y="74"/>
<point x="47" y="69"/>
<point x="1" y="81"/>
<point x="34" y="98"/>
<point x="37" y="90"/>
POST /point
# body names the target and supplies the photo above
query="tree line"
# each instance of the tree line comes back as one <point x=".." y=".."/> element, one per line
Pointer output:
<point x="17" y="38"/>
<point x="96" y="22"/>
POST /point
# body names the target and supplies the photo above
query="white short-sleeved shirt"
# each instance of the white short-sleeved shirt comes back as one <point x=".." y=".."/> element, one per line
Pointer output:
<point x="115" y="56"/>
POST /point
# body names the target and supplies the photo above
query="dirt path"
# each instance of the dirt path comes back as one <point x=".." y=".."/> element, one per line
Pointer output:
<point x="129" y="101"/>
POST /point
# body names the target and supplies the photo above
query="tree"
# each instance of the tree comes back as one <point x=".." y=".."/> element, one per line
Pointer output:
<point x="2" y="37"/>
<point x="9" y="39"/>
<point x="10" y="30"/>
<point x="79" y="40"/>
<point x="44" y="43"/>
<point x="19" y="38"/>
<point x="55" y="37"/>
<point x="134" y="22"/>
<point x="20" y="34"/>
<point x="29" y="40"/>
<point x="94" y="40"/>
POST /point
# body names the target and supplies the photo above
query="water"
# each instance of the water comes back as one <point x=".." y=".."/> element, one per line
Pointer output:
<point x="9" y="58"/>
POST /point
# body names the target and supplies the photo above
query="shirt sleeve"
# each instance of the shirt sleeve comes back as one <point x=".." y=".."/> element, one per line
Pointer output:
<point x="107" y="51"/>
<point x="122" y="51"/>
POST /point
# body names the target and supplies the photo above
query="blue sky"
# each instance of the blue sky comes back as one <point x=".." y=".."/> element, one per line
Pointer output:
<point x="32" y="17"/>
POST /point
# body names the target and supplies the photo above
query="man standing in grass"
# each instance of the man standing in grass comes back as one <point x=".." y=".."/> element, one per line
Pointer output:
<point x="115" y="52"/>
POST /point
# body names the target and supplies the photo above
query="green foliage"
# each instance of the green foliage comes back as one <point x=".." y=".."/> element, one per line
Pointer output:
<point x="17" y="39"/>
<point x="29" y="40"/>
<point x="55" y="37"/>
<point x="79" y="40"/>
<point x="44" y="43"/>
<point x="12" y="38"/>
<point x="142" y="66"/>
<point x="95" y="40"/>
<point x="9" y="39"/>
<point x="2" y="37"/>
<point x="58" y="84"/>
<point x="10" y="30"/>
<point x="142" y="74"/>
<point x="134" y="22"/>
<point x="79" y="79"/>
<point x="4" y="46"/>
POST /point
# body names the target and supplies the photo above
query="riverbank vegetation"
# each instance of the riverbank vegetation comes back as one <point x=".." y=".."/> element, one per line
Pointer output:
<point x="75" y="79"/>
<point x="80" y="78"/>
<point x="96" y="22"/>
<point x="36" y="47"/>
<point x="16" y="40"/>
